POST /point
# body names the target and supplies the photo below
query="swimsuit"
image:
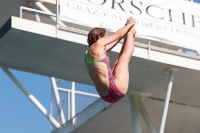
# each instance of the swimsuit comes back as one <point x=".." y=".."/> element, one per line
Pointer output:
<point x="114" y="94"/>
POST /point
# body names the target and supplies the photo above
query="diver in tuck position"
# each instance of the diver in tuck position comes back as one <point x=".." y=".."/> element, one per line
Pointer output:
<point x="111" y="84"/>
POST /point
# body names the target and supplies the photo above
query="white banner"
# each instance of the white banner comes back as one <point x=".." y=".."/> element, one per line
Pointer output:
<point x="171" y="21"/>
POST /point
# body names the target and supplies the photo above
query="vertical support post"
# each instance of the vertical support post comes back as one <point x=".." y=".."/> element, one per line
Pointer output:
<point x="57" y="98"/>
<point x="73" y="99"/>
<point x="134" y="110"/>
<point x="32" y="98"/>
<point x="69" y="109"/>
<point x="20" y="12"/>
<point x="169" y="88"/>
<point x="149" y="49"/>
<point x="51" y="105"/>
<point x="57" y="8"/>
<point x="146" y="117"/>
<point x="73" y="103"/>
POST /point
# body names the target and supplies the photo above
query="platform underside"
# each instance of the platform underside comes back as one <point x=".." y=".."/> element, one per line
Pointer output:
<point x="32" y="47"/>
<point x="116" y="118"/>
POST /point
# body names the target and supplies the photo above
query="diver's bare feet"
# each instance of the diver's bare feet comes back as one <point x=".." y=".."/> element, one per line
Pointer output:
<point x="133" y="30"/>
<point x="130" y="21"/>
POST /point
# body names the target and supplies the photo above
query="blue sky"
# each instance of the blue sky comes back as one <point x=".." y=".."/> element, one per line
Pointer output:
<point x="197" y="1"/>
<point x="17" y="113"/>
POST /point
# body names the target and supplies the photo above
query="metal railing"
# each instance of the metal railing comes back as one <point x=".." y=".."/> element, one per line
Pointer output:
<point x="69" y="100"/>
<point x="53" y="19"/>
<point x="34" y="10"/>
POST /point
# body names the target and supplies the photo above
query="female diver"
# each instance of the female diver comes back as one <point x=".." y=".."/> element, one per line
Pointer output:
<point x="111" y="84"/>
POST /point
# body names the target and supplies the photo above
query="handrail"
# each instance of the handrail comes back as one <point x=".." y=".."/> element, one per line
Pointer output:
<point x="34" y="10"/>
<point x="79" y="92"/>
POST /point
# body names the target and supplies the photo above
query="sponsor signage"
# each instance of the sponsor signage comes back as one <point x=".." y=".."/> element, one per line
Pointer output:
<point x="176" y="22"/>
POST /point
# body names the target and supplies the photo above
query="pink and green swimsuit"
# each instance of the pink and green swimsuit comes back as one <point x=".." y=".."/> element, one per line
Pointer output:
<point x="114" y="94"/>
